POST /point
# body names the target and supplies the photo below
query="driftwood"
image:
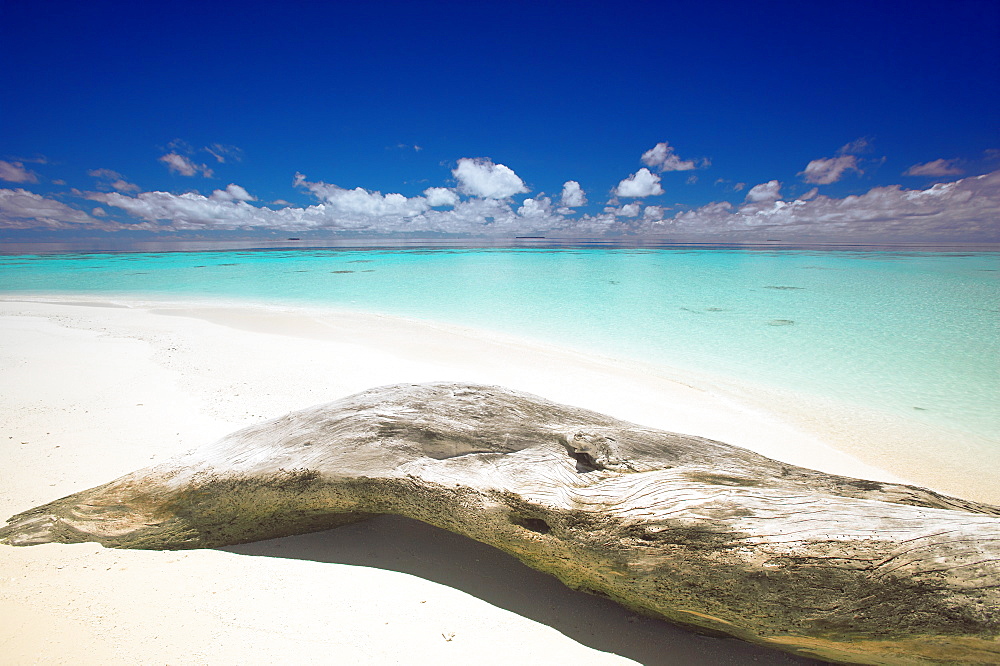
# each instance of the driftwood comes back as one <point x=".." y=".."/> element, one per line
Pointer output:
<point x="690" y="530"/>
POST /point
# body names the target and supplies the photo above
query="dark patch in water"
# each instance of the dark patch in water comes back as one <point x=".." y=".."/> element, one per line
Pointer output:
<point x="700" y="310"/>
<point x="360" y="261"/>
<point x="613" y="282"/>
<point x="341" y="271"/>
<point x="781" y="287"/>
<point x="781" y="322"/>
<point x="921" y="409"/>
<point x="228" y="264"/>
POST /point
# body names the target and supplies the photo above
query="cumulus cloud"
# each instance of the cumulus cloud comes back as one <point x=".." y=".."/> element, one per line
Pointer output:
<point x="630" y="210"/>
<point x="480" y="177"/>
<point x="15" y="172"/>
<point x="233" y="192"/>
<point x="537" y="207"/>
<point x="765" y="192"/>
<point x="113" y="180"/>
<point x="573" y="195"/>
<point x="642" y="183"/>
<point x="20" y="209"/>
<point x="440" y="196"/>
<point x="663" y="158"/>
<point x="829" y="170"/>
<point x="653" y="212"/>
<point x="184" y="166"/>
<point x="936" y="168"/>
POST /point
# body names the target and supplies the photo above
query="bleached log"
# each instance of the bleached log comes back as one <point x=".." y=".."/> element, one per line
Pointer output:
<point x="690" y="530"/>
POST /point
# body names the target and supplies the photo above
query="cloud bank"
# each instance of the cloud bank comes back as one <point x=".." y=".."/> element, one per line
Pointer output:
<point x="482" y="203"/>
<point x="967" y="208"/>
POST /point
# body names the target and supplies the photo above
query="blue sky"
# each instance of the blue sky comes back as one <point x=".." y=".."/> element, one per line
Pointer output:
<point x="828" y="121"/>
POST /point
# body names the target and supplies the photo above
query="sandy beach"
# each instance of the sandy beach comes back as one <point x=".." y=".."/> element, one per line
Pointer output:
<point x="91" y="391"/>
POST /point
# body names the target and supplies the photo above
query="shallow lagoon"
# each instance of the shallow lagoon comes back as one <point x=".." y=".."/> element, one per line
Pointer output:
<point x="913" y="333"/>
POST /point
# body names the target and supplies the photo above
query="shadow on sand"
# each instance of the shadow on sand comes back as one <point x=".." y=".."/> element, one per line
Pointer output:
<point x="411" y="547"/>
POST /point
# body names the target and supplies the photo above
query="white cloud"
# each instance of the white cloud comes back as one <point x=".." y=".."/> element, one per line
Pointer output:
<point x="362" y="202"/>
<point x="195" y="211"/>
<point x="829" y="170"/>
<point x="233" y="192"/>
<point x="653" y="213"/>
<point x="642" y="183"/>
<point x="856" y="147"/>
<point x="20" y="209"/>
<point x="630" y="210"/>
<point x="573" y="195"/>
<point x="440" y="196"/>
<point x="539" y="207"/>
<point x="15" y="172"/>
<point x="341" y="210"/>
<point x="124" y="186"/>
<point x="964" y="209"/>
<point x="184" y="166"/>
<point x="662" y="157"/>
<point x="765" y="192"/>
<point x="967" y="209"/>
<point x="222" y="153"/>
<point x="936" y="168"/>
<point x="113" y="180"/>
<point x="480" y="177"/>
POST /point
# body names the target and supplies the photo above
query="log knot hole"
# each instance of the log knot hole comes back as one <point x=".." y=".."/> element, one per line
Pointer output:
<point x="594" y="451"/>
<point x="534" y="524"/>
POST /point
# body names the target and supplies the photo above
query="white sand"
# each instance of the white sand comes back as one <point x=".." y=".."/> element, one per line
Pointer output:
<point x="90" y="392"/>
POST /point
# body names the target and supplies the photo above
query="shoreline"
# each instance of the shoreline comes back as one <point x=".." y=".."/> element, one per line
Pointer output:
<point x="93" y="390"/>
<point x="807" y="430"/>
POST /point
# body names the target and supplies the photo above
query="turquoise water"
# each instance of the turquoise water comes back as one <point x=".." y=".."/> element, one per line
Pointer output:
<point x="914" y="333"/>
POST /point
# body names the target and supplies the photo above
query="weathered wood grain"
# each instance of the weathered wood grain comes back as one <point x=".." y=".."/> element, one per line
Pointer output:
<point x="683" y="528"/>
